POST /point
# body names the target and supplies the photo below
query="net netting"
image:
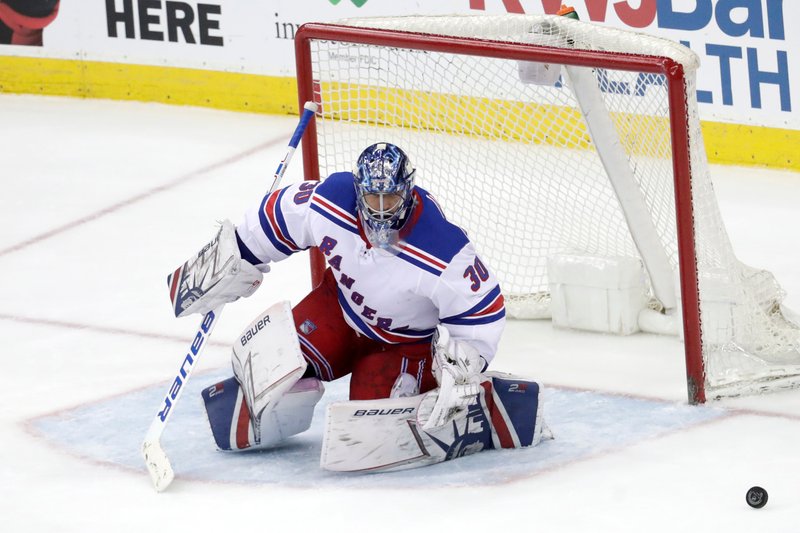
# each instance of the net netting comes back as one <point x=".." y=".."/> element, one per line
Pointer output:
<point x="512" y="161"/>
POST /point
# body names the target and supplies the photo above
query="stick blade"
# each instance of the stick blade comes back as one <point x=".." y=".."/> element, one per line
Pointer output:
<point x="158" y="465"/>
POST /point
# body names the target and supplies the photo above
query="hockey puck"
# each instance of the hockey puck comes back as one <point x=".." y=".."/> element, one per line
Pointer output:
<point x="756" y="497"/>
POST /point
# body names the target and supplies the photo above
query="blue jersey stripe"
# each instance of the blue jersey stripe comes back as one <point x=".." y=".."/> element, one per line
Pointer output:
<point x="282" y="221"/>
<point x="355" y="318"/>
<point x="488" y="299"/>
<point x="419" y="264"/>
<point x="267" y="229"/>
<point x="473" y="321"/>
<point x="418" y="335"/>
<point x="333" y="219"/>
<point x="421" y="333"/>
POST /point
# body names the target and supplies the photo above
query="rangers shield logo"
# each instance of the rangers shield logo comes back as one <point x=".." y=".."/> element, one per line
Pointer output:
<point x="307" y="327"/>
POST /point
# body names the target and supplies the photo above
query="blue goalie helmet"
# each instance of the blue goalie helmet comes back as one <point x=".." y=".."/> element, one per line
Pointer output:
<point x="384" y="181"/>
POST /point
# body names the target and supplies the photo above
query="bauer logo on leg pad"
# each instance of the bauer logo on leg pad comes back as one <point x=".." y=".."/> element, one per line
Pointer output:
<point x="385" y="412"/>
<point x="253" y="330"/>
<point x="267" y="359"/>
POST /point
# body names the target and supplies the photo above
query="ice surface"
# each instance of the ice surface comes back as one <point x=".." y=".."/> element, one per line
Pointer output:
<point x="100" y="200"/>
<point x="584" y="423"/>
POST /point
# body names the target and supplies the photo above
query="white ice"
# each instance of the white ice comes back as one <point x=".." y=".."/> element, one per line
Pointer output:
<point x="100" y="200"/>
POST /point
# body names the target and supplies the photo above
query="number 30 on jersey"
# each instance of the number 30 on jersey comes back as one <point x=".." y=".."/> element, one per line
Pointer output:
<point x="476" y="273"/>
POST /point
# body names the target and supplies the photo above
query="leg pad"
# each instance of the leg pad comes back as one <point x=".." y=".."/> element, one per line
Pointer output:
<point x="230" y="420"/>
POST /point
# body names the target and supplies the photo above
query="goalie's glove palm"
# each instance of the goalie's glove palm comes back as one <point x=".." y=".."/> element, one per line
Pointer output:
<point x="456" y="366"/>
<point x="457" y="358"/>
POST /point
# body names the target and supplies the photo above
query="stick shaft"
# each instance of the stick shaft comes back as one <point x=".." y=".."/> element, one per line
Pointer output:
<point x="308" y="113"/>
<point x="156" y="459"/>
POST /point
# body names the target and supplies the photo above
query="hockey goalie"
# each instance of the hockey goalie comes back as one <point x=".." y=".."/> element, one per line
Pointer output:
<point x="406" y="308"/>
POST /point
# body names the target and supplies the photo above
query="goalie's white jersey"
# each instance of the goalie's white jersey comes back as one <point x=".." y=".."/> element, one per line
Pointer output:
<point x="434" y="277"/>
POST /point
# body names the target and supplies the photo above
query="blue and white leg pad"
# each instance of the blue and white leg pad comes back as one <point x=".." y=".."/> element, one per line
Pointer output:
<point x="385" y="435"/>
<point x="231" y="422"/>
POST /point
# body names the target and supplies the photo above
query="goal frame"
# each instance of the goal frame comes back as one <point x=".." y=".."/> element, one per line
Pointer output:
<point x="675" y="83"/>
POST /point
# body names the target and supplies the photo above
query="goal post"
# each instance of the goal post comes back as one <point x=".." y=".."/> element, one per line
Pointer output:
<point x="545" y="136"/>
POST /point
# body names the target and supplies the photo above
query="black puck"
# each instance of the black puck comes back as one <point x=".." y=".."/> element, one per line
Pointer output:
<point x="756" y="497"/>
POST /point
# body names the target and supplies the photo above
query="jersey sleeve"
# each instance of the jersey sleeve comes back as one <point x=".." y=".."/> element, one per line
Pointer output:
<point x="279" y="225"/>
<point x="470" y="303"/>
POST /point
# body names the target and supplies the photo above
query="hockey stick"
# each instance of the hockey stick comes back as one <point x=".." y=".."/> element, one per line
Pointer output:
<point x="155" y="458"/>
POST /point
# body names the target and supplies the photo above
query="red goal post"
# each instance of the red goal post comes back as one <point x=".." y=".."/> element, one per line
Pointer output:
<point x="346" y="92"/>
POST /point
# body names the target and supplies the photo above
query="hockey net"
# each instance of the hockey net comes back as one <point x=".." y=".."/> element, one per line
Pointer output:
<point x="606" y="158"/>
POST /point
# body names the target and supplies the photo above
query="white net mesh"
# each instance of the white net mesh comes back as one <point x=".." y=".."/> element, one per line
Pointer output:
<point x="514" y="164"/>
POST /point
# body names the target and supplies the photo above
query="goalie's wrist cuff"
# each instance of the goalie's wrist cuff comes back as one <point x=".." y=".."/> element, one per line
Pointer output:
<point x="245" y="252"/>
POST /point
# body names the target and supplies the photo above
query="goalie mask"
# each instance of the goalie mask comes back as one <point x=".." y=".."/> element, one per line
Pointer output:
<point x="384" y="182"/>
